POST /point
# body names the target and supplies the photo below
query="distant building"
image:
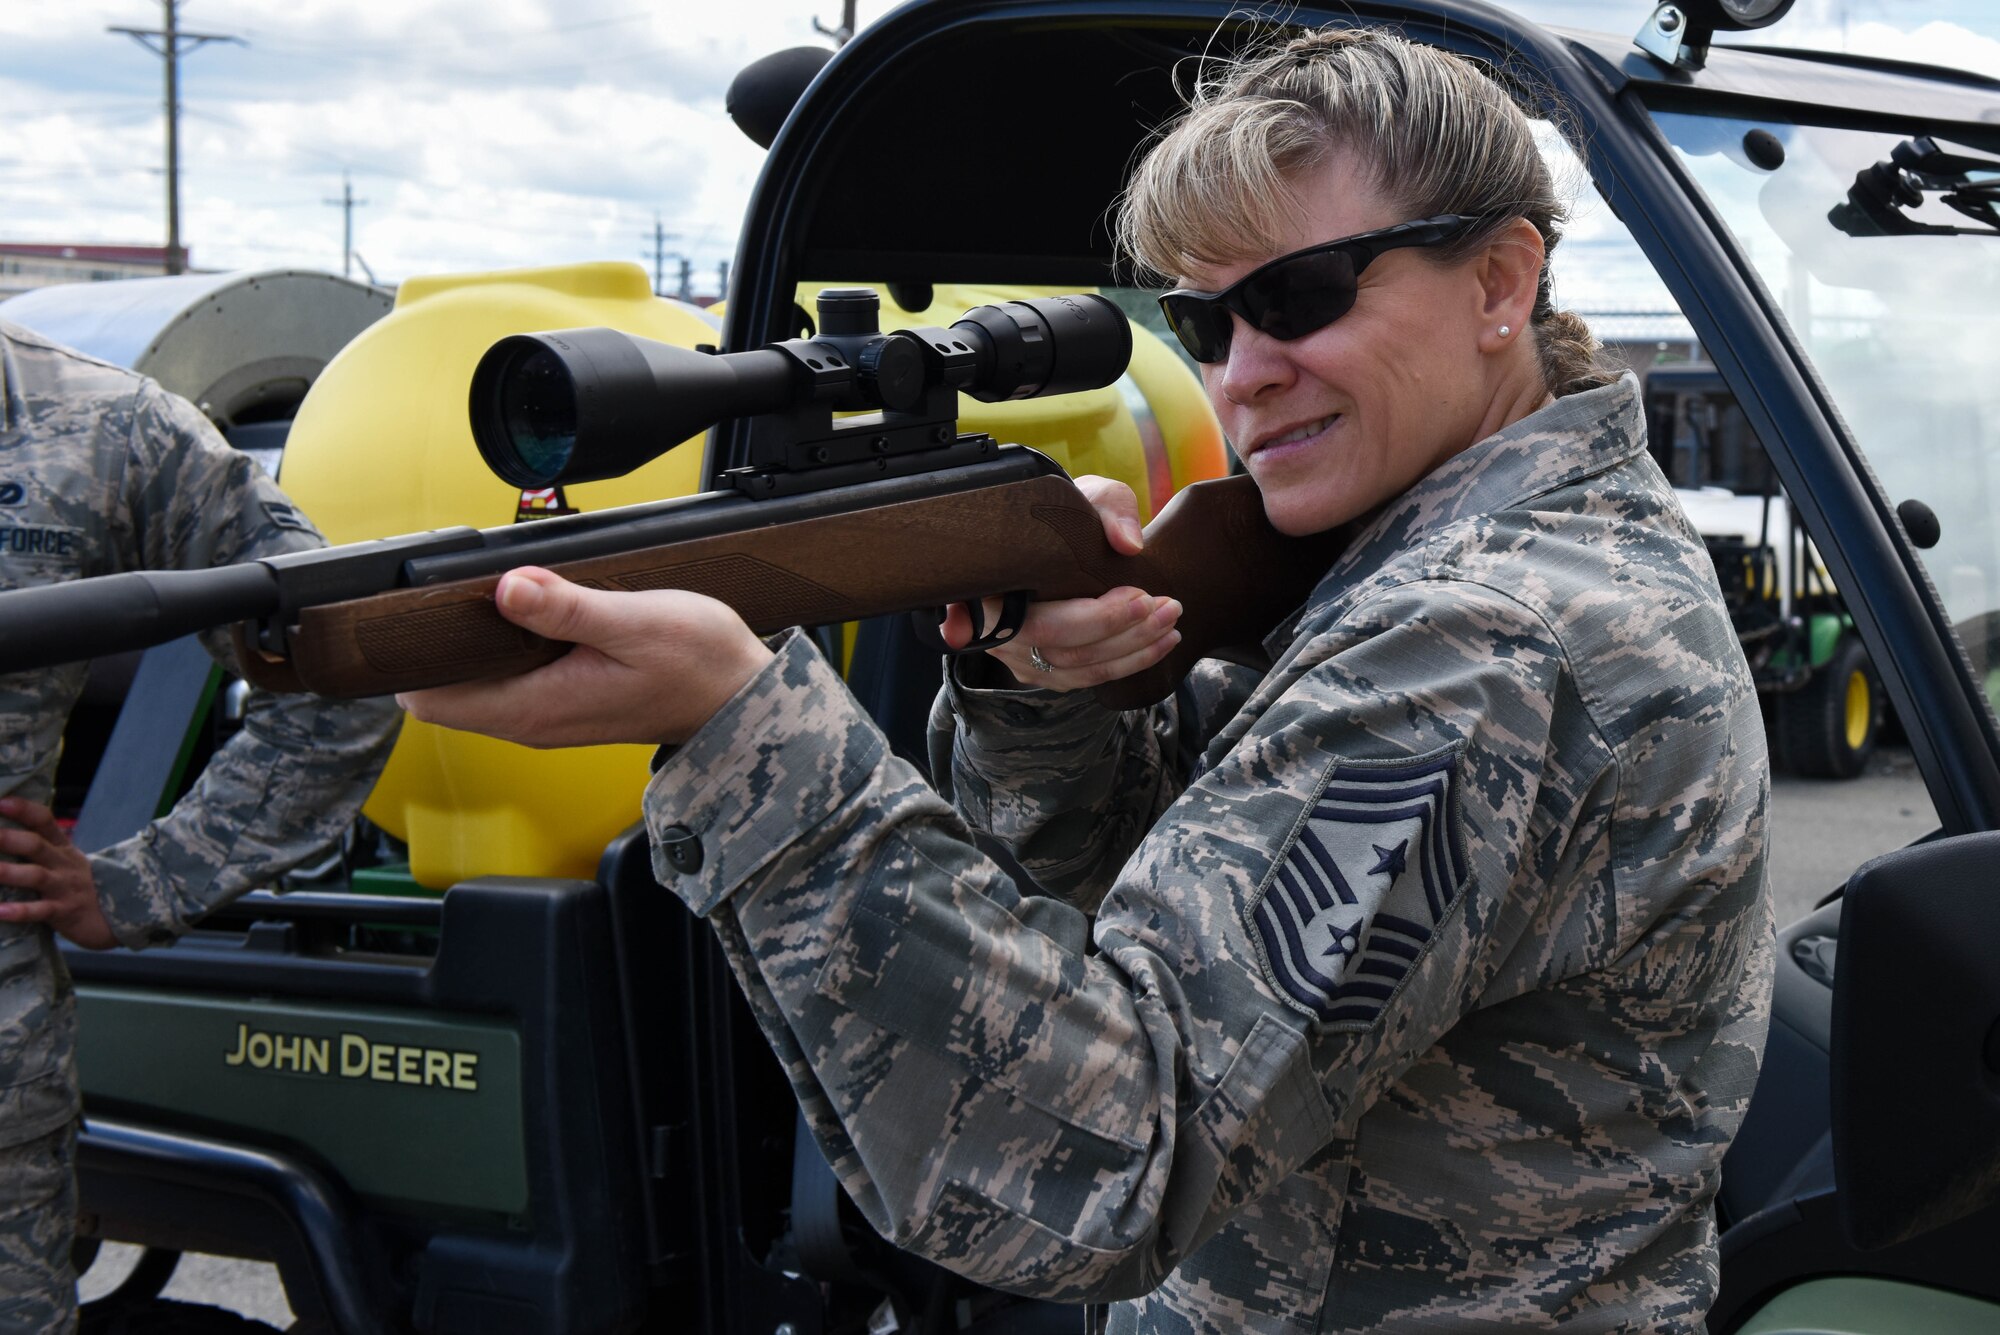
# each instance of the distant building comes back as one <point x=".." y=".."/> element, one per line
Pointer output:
<point x="25" y="265"/>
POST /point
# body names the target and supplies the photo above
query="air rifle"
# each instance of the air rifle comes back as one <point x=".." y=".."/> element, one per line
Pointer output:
<point x="832" y="518"/>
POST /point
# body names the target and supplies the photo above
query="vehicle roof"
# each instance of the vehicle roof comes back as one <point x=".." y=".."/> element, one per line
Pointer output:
<point x="982" y="140"/>
<point x="1833" y="80"/>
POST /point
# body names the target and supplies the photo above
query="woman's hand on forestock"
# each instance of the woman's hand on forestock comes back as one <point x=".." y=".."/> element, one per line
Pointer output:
<point x="647" y="667"/>
<point x="1085" y="642"/>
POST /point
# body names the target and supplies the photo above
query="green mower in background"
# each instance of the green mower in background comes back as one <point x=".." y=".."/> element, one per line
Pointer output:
<point x="1825" y="703"/>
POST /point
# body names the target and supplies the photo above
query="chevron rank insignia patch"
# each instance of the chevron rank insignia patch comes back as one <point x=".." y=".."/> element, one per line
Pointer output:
<point x="287" y="516"/>
<point x="1350" y="907"/>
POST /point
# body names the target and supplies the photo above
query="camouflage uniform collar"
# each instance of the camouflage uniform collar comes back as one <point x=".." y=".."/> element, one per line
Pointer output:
<point x="1575" y="437"/>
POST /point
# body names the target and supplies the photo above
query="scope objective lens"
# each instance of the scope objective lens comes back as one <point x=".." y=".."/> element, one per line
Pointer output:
<point x="537" y="403"/>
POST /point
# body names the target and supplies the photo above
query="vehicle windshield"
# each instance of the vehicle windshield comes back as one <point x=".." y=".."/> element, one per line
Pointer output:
<point x="1903" y="329"/>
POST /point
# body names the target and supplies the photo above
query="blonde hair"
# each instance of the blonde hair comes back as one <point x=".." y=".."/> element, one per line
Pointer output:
<point x="1432" y="132"/>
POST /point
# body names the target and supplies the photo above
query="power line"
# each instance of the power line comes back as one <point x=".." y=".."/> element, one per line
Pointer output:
<point x="437" y="66"/>
<point x="583" y="65"/>
<point x="102" y="109"/>
<point x="436" y="56"/>
<point x="172" y="42"/>
<point x="457" y="41"/>
<point x="23" y="170"/>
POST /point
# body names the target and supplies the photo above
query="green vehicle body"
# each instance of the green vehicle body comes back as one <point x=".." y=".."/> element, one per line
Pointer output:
<point x="350" y="1081"/>
<point x="1824" y="630"/>
<point x="1854" y="1306"/>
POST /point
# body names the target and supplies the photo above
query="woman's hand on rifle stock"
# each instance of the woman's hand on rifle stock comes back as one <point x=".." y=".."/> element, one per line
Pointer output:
<point x="1085" y="642"/>
<point x="648" y="667"/>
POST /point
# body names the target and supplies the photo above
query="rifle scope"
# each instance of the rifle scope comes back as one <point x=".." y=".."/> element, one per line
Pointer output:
<point x="581" y="405"/>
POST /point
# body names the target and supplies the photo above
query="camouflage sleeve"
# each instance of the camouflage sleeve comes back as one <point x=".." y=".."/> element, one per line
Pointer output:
<point x="286" y="785"/>
<point x="1071" y="1124"/>
<point x="1068" y="786"/>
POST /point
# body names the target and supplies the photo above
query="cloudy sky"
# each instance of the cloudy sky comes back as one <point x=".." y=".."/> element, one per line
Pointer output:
<point x="494" y="133"/>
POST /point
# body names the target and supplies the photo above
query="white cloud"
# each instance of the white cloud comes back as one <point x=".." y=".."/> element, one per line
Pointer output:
<point x="485" y="133"/>
<point x="1936" y="42"/>
<point x="481" y="132"/>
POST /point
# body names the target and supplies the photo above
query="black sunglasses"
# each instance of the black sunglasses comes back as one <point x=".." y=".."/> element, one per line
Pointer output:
<point x="1298" y="293"/>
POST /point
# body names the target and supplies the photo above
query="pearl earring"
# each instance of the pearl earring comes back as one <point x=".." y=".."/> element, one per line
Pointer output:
<point x="1504" y="331"/>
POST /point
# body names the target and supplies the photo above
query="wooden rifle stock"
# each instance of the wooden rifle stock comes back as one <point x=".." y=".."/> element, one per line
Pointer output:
<point x="1210" y="547"/>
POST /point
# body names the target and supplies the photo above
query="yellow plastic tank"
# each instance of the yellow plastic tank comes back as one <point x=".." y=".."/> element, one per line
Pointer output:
<point x="1189" y="435"/>
<point x="382" y="445"/>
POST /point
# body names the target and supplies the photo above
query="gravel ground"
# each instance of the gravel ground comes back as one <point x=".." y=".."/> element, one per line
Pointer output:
<point x="1820" y="831"/>
<point x="248" y="1287"/>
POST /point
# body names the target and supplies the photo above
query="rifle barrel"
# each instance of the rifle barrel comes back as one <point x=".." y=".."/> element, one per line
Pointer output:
<point x="85" y="619"/>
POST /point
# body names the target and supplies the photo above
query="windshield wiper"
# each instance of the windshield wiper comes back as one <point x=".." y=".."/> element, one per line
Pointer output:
<point x="1916" y="167"/>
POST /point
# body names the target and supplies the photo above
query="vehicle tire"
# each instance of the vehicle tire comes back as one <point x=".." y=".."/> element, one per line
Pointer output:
<point x="1827" y="728"/>
<point x="162" y="1317"/>
<point x="1981" y="637"/>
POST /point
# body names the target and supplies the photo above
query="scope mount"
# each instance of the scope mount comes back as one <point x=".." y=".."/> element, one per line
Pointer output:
<point x="908" y="383"/>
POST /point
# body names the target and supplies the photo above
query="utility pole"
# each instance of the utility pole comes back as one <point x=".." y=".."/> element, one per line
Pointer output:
<point x="687" y="279"/>
<point x="172" y="42"/>
<point x="658" y="255"/>
<point x="841" y="34"/>
<point x="346" y="204"/>
<point x="722" y="278"/>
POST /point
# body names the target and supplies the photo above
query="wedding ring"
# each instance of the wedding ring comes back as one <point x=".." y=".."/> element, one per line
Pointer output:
<point x="1040" y="664"/>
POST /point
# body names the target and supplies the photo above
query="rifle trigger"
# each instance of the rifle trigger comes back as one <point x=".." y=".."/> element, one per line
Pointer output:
<point x="1013" y="612"/>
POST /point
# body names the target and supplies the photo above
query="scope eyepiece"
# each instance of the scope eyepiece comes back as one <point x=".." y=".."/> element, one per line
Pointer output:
<point x="1046" y="345"/>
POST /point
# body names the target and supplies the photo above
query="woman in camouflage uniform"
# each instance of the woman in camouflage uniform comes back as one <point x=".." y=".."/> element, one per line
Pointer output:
<point x="1431" y="992"/>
